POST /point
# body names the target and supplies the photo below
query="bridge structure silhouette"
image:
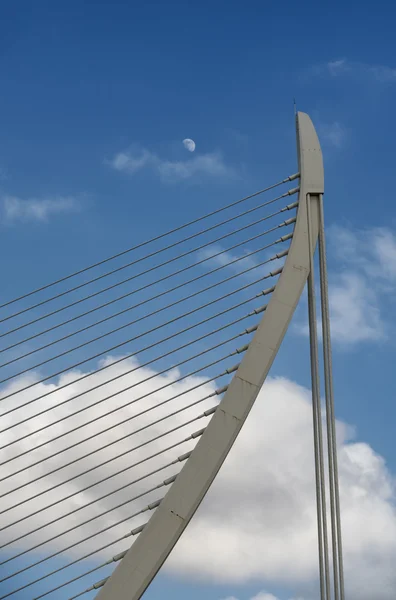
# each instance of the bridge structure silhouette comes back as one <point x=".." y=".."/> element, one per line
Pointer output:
<point x="125" y="384"/>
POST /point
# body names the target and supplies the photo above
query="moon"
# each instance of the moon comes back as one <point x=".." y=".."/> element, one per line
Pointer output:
<point x="189" y="144"/>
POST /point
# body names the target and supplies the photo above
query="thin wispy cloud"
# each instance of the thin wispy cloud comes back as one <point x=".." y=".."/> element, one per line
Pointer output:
<point x="217" y="256"/>
<point x="3" y="173"/>
<point x="332" y="134"/>
<point x="129" y="163"/>
<point x="343" y="67"/>
<point x="237" y="136"/>
<point x="251" y="266"/>
<point x="17" y="210"/>
<point x="202" y="165"/>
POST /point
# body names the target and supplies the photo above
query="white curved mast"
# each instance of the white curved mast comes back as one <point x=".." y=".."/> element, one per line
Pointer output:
<point x="146" y="556"/>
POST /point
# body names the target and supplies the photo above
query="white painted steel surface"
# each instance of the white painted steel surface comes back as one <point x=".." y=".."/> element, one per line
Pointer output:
<point x="146" y="556"/>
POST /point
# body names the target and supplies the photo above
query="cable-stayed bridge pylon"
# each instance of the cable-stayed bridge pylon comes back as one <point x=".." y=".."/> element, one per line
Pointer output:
<point x="125" y="384"/>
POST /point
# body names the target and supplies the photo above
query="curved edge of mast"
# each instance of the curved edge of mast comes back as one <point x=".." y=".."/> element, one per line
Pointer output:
<point x="148" y="553"/>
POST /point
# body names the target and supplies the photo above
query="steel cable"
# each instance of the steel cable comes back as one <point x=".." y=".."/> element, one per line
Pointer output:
<point x="138" y="246"/>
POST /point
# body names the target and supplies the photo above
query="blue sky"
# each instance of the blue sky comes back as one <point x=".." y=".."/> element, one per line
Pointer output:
<point x="96" y="98"/>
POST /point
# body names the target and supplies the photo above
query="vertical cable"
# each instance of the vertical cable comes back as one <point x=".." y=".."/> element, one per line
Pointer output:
<point x="331" y="429"/>
<point x="317" y="425"/>
<point x="330" y="445"/>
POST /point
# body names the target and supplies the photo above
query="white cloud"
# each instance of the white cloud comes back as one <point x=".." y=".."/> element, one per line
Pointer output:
<point x="372" y="251"/>
<point x="15" y="209"/>
<point x="259" y="596"/>
<point x="258" y="522"/>
<point x="355" y="310"/>
<point x="132" y="161"/>
<point x="262" y="596"/>
<point x="361" y="284"/>
<point x="266" y="596"/>
<point x="96" y="443"/>
<point x="344" y="67"/>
